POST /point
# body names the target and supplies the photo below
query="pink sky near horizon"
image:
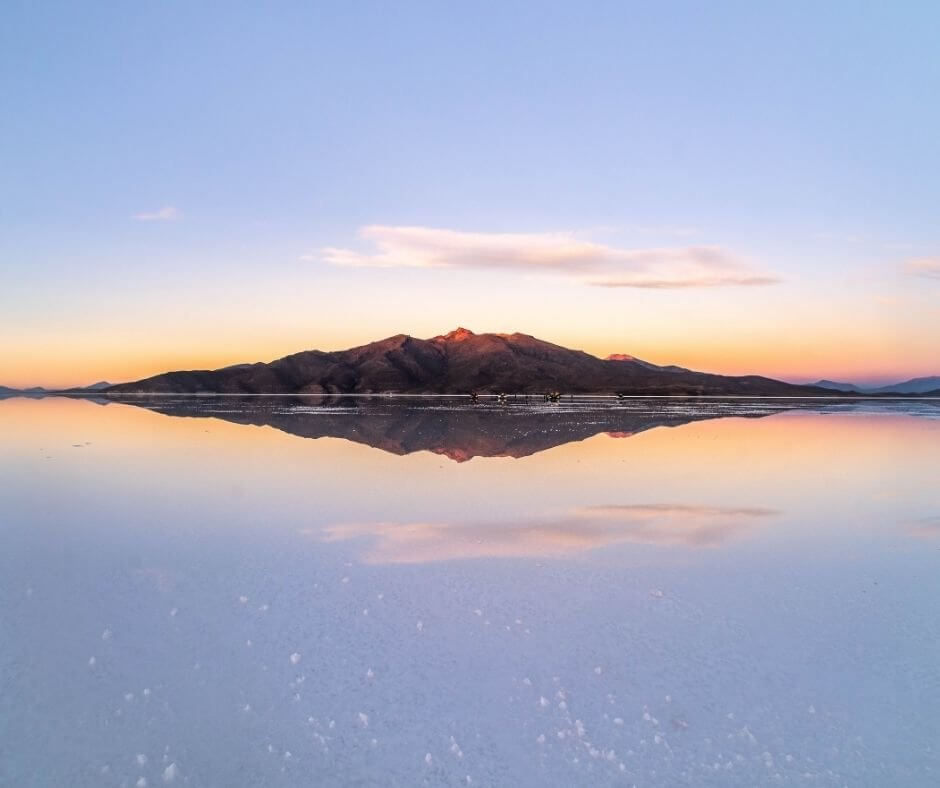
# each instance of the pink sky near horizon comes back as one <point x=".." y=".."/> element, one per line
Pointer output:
<point x="69" y="363"/>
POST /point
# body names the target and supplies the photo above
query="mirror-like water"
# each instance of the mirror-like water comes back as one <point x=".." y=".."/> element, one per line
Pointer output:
<point x="225" y="592"/>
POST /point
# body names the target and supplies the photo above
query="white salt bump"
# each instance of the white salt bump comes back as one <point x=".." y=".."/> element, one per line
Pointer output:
<point x="142" y="782"/>
<point x="243" y="599"/>
<point x="656" y="593"/>
<point x="141" y="760"/>
<point x="294" y="658"/>
<point x="370" y="674"/>
<point x="598" y="670"/>
<point x="478" y="612"/>
<point x="527" y="681"/>
<point x="428" y="759"/>
<point x="129" y="697"/>
<point x="541" y="738"/>
<point x="345" y="580"/>
<point x="248" y="643"/>
<point x="91" y="662"/>
<point x="263" y="608"/>
<point x="543" y="701"/>
<point x="169" y="773"/>
<point x="420" y="626"/>
<point x="106" y="635"/>
<point x="246" y="707"/>
<point x="173" y="612"/>
<point x="618" y="720"/>
<point x="363" y="720"/>
<point x="146" y="692"/>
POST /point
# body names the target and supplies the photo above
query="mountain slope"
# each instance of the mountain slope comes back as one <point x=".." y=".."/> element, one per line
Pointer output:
<point x="456" y="363"/>
<point x="835" y="385"/>
<point x="912" y="386"/>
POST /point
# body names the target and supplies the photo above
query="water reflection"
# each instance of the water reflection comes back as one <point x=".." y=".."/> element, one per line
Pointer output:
<point x="725" y="601"/>
<point x="925" y="527"/>
<point x="553" y="536"/>
<point x="451" y="428"/>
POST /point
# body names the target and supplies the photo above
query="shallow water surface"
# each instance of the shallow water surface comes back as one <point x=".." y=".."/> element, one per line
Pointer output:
<point x="228" y="591"/>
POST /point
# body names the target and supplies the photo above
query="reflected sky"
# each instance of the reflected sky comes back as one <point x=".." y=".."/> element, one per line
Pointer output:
<point x="553" y="535"/>
<point x="679" y="594"/>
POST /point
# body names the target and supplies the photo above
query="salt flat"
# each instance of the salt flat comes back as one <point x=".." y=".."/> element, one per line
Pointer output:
<point x="399" y="593"/>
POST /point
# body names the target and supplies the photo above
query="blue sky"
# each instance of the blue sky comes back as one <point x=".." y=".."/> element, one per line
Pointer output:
<point x="173" y="172"/>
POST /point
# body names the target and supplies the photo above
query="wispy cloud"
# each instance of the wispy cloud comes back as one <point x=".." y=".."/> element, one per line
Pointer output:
<point x="928" y="267"/>
<point x="165" y="214"/>
<point x="560" y="253"/>
<point x="557" y="535"/>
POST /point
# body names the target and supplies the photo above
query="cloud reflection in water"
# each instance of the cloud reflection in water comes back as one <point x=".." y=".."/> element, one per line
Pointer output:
<point x="577" y="530"/>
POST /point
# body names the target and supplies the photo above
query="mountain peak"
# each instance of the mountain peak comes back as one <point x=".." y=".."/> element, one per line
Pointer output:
<point x="620" y="357"/>
<point x="459" y="334"/>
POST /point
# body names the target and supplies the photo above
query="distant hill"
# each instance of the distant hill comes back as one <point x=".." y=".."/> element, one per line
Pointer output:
<point x="914" y="386"/>
<point x="6" y="391"/>
<point x="834" y="385"/>
<point x="457" y="363"/>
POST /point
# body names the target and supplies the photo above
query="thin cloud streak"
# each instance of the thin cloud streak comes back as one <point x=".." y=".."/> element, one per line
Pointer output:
<point x="558" y="253"/>
<point x="672" y="284"/>
<point x="928" y="267"/>
<point x="165" y="214"/>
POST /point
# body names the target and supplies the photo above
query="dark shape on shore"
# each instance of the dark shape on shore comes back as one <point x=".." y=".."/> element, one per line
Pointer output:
<point x="460" y="362"/>
<point x="447" y="427"/>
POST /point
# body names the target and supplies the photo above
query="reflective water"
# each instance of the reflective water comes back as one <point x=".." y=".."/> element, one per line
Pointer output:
<point x="385" y="592"/>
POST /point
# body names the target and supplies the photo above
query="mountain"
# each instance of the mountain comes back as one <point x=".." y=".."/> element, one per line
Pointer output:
<point x="6" y="391"/>
<point x="912" y="386"/>
<point x="101" y="385"/>
<point x="834" y="385"/>
<point x="456" y="363"/>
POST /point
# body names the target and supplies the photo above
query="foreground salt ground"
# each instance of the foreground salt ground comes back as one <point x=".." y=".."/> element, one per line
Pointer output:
<point x="178" y="613"/>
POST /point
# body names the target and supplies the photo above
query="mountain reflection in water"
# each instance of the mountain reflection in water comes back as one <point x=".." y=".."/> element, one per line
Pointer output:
<point x="454" y="428"/>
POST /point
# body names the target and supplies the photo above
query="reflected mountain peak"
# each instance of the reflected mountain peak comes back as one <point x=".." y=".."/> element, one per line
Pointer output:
<point x="452" y="427"/>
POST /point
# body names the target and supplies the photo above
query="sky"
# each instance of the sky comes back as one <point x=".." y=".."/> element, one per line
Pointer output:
<point x="733" y="187"/>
